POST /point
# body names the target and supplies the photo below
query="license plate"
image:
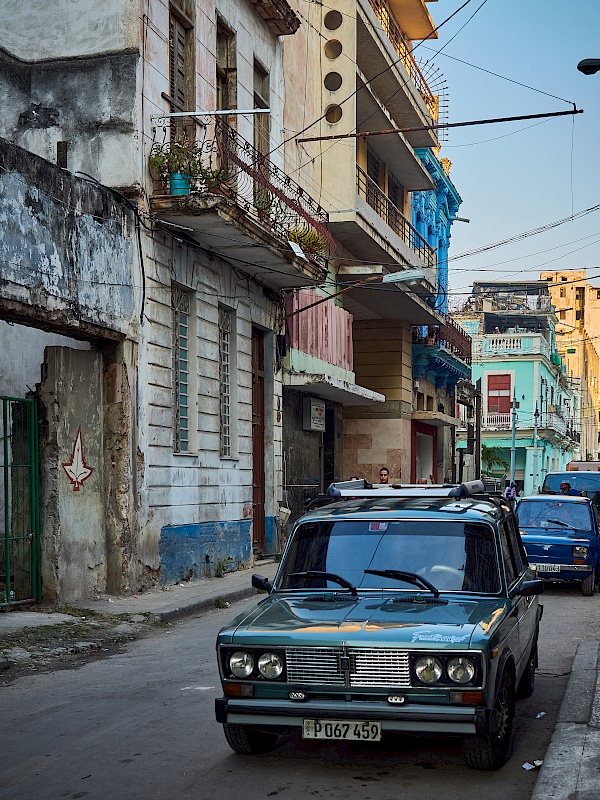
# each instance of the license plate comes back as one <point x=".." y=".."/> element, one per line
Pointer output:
<point x="548" y="567"/>
<point x="341" y="729"/>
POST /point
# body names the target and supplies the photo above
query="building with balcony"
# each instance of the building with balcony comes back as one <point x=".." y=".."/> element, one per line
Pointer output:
<point x="513" y="329"/>
<point x="185" y="130"/>
<point x="363" y="78"/>
<point x="577" y="304"/>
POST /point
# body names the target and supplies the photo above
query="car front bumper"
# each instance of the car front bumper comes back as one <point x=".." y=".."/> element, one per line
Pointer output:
<point x="278" y="714"/>
<point x="565" y="572"/>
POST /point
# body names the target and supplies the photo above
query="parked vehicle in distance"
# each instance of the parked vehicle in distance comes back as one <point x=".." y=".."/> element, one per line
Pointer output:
<point x="583" y="466"/>
<point x="393" y="609"/>
<point x="560" y="535"/>
<point x="581" y="480"/>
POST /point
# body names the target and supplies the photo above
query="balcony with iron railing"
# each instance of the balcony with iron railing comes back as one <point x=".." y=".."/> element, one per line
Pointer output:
<point x="391" y="214"/>
<point x="449" y="336"/>
<point x="548" y="422"/>
<point x="388" y="22"/>
<point x="220" y="165"/>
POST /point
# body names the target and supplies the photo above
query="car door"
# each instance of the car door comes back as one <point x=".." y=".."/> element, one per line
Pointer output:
<point x="526" y="607"/>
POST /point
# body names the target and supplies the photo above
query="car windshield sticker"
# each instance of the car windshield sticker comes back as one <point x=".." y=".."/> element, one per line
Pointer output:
<point x="375" y="527"/>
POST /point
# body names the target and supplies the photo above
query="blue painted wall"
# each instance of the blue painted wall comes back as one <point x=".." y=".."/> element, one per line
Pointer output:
<point x="191" y="552"/>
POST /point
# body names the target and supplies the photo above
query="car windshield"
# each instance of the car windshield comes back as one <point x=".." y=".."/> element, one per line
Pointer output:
<point x="582" y="483"/>
<point x="453" y="556"/>
<point x="545" y="514"/>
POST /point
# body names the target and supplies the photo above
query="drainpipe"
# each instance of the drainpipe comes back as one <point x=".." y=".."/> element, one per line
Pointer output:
<point x="536" y="417"/>
<point x="513" y="443"/>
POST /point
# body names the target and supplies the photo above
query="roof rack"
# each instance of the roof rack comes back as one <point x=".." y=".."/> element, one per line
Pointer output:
<point x="362" y="488"/>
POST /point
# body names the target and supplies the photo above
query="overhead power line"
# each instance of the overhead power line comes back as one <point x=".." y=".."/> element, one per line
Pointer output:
<point x="437" y="126"/>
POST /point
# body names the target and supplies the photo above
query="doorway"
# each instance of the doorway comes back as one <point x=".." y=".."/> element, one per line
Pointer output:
<point x="258" y="440"/>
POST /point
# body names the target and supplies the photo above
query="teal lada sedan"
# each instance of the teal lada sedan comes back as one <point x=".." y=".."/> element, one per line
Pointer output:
<point x="406" y="609"/>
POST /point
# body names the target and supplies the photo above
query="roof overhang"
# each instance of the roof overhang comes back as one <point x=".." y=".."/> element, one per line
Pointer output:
<point x="436" y="419"/>
<point x="393" y="301"/>
<point x="330" y="388"/>
<point x="223" y="228"/>
<point x="414" y="19"/>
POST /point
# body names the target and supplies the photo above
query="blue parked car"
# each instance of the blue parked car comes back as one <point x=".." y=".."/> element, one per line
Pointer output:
<point x="560" y="534"/>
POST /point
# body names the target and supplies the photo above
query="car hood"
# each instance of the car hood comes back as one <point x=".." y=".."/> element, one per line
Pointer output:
<point x="374" y="621"/>
<point x="556" y="546"/>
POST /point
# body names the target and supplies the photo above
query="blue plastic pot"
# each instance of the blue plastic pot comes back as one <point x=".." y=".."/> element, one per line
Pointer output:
<point x="180" y="184"/>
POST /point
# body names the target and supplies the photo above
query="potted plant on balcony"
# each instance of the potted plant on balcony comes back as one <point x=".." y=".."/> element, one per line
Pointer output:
<point x="310" y="240"/>
<point x="175" y="164"/>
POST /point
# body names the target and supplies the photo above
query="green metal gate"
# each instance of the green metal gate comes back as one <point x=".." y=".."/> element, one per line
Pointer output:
<point x="20" y="554"/>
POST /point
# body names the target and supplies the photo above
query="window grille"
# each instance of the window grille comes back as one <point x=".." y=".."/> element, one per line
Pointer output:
<point x="181" y="328"/>
<point x="225" y="339"/>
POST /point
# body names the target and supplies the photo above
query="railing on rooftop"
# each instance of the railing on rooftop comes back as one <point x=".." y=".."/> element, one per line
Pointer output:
<point x="223" y="163"/>
<point x="449" y="336"/>
<point x="390" y="213"/>
<point x="508" y="344"/>
<point x="396" y="37"/>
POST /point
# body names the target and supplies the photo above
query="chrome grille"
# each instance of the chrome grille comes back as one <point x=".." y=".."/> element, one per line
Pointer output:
<point x="314" y="665"/>
<point x="368" y="666"/>
<point x="379" y="667"/>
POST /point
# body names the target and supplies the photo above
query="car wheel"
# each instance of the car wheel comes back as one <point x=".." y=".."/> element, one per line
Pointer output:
<point x="490" y="752"/>
<point x="249" y="741"/>
<point x="527" y="682"/>
<point x="587" y="585"/>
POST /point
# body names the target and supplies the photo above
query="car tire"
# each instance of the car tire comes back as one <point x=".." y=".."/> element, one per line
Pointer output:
<point x="588" y="585"/>
<point x="249" y="741"/>
<point x="490" y="752"/>
<point x="527" y="682"/>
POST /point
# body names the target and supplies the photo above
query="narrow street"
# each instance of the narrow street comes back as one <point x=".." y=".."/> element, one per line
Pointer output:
<point x="139" y="725"/>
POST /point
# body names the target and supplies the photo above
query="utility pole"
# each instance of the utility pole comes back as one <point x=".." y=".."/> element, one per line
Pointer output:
<point x="536" y="417"/>
<point x="513" y="443"/>
<point x="478" y="429"/>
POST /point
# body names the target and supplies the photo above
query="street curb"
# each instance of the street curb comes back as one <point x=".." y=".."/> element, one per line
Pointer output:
<point x="561" y="773"/>
<point x="204" y="606"/>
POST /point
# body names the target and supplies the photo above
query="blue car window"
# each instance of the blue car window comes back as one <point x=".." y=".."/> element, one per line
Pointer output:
<point x="453" y="556"/>
<point x="544" y="514"/>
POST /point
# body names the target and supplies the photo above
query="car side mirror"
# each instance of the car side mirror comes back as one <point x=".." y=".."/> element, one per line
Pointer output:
<point x="528" y="589"/>
<point x="262" y="584"/>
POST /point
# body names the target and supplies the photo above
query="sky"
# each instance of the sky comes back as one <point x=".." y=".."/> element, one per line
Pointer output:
<point x="514" y="177"/>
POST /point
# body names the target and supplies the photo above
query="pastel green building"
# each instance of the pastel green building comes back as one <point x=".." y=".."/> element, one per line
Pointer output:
<point x="514" y="353"/>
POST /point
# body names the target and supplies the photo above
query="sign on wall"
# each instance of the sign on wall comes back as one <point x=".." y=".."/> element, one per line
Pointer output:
<point x="313" y="416"/>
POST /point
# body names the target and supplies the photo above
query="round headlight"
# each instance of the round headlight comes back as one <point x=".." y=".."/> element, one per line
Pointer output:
<point x="270" y="666"/>
<point x="460" y="670"/>
<point x="241" y="664"/>
<point x="428" y="669"/>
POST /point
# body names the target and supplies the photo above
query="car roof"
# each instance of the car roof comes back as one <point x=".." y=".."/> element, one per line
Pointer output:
<point x="472" y="509"/>
<point x="572" y="473"/>
<point x="559" y="498"/>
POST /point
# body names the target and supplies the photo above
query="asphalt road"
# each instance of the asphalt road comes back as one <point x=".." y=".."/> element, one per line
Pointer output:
<point x="139" y="726"/>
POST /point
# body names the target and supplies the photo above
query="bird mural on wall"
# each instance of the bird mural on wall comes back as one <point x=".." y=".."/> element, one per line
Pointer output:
<point x="76" y="469"/>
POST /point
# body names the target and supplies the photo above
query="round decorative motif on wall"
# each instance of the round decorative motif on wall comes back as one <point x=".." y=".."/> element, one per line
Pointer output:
<point x="333" y="113"/>
<point x="333" y="81"/>
<point x="333" y="20"/>
<point x="333" y="48"/>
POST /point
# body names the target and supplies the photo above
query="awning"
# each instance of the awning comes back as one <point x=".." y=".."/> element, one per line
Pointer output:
<point x="330" y="388"/>
<point x="436" y="418"/>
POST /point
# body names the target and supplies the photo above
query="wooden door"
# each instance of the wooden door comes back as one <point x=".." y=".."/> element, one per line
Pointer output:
<point x="258" y="440"/>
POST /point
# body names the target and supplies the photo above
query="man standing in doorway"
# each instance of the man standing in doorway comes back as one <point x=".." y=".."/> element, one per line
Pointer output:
<point x="384" y="475"/>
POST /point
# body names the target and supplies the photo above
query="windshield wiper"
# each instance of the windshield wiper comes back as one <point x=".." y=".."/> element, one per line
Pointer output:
<point x="408" y="577"/>
<point x="561" y="523"/>
<point x="330" y="576"/>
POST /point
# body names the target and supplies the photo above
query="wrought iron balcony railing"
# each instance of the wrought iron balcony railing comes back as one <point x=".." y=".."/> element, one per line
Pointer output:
<point x="221" y="162"/>
<point x="381" y="203"/>
<point x="396" y="37"/>
<point x="449" y="335"/>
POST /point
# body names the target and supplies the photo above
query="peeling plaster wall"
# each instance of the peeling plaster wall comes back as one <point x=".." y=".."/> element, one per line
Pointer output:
<point x="67" y="254"/>
<point x="73" y="521"/>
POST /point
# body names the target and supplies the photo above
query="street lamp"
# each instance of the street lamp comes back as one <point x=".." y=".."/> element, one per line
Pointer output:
<point x="405" y="276"/>
<point x="589" y="66"/>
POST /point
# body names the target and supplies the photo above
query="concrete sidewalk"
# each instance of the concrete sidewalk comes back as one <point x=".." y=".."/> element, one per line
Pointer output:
<point x="571" y="768"/>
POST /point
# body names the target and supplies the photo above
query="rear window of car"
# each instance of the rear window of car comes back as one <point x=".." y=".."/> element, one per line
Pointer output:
<point x="453" y="556"/>
<point x="553" y="514"/>
<point x="580" y="482"/>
